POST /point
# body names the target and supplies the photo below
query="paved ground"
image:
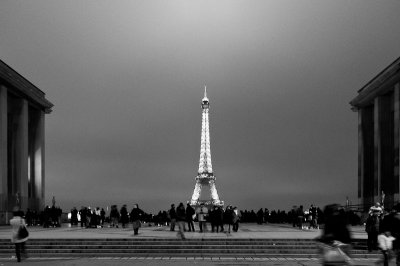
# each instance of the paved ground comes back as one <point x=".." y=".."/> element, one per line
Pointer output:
<point x="253" y="231"/>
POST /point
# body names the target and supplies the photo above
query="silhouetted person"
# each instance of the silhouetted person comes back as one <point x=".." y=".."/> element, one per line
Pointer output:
<point x="114" y="216"/>
<point x="83" y="214"/>
<point x="74" y="216"/>
<point x="136" y="215"/>
<point x="228" y="217"/>
<point x="172" y="217"/>
<point x="189" y="217"/>
<point x="102" y="217"/>
<point x="260" y="216"/>
<point x="372" y="229"/>
<point x="124" y="215"/>
<point x="181" y="220"/>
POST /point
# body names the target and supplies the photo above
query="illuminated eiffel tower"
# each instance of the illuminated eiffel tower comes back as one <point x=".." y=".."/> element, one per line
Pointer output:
<point x="205" y="177"/>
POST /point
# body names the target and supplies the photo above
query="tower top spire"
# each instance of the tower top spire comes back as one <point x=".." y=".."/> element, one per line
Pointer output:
<point x="205" y="102"/>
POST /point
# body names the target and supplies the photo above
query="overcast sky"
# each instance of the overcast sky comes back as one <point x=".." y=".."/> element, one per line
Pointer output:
<point x="127" y="78"/>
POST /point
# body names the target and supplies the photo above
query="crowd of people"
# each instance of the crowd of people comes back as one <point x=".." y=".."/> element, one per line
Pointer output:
<point x="382" y="225"/>
<point x="383" y="229"/>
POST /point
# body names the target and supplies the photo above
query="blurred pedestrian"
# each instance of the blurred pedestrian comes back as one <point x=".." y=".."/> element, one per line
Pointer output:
<point x="335" y="239"/>
<point x="385" y="242"/>
<point x="181" y="220"/>
<point x="19" y="233"/>
<point x="124" y="215"/>
<point x="372" y="229"/>
<point x="114" y="216"/>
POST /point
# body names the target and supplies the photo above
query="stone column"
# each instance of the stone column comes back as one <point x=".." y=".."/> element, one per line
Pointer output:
<point x="38" y="161"/>
<point x="3" y="155"/>
<point x="377" y="147"/>
<point x="21" y="160"/>
<point x="366" y="155"/>
<point x="396" y="141"/>
<point x="384" y="137"/>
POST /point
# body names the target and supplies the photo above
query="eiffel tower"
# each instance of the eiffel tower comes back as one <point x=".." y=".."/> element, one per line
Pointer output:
<point x="205" y="177"/>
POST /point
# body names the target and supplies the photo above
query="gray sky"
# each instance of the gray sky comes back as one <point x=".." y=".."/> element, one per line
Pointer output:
<point x="127" y="78"/>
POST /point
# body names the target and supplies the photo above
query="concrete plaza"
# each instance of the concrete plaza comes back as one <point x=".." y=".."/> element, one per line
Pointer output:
<point x="252" y="231"/>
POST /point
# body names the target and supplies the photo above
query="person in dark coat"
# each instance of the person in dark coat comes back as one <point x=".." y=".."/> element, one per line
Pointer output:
<point x="114" y="216"/>
<point x="228" y="217"/>
<point x="260" y="216"/>
<point x="372" y="229"/>
<point x="74" y="216"/>
<point x="82" y="213"/>
<point x="135" y="216"/>
<point x="190" y="212"/>
<point x="181" y="220"/>
<point x="172" y="217"/>
<point x="124" y="215"/>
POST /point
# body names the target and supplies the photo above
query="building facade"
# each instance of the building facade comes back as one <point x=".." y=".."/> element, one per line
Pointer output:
<point x="378" y="107"/>
<point x="22" y="115"/>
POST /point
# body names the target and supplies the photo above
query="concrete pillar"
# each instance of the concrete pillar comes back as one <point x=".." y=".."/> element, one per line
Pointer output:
<point x="384" y="143"/>
<point x="38" y="161"/>
<point x="360" y="191"/>
<point x="3" y="156"/>
<point x="366" y="154"/>
<point x="21" y="158"/>
<point x="396" y="141"/>
<point x="377" y="153"/>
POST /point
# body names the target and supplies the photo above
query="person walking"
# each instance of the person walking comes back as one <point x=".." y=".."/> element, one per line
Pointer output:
<point x="235" y="226"/>
<point x="124" y="215"/>
<point x="172" y="217"/>
<point x="372" y="229"/>
<point x="228" y="217"/>
<point x="136" y="215"/>
<point x="189" y="217"/>
<point x="114" y="216"/>
<point x="181" y="219"/>
<point x="18" y="226"/>
<point x="385" y="243"/>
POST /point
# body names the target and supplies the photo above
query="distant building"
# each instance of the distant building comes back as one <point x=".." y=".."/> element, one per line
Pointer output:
<point x="378" y="107"/>
<point x="22" y="113"/>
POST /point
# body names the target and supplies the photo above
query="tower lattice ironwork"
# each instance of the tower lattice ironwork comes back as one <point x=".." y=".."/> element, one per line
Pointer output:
<point x="205" y="176"/>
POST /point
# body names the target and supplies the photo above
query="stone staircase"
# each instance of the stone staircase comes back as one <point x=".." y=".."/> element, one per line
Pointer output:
<point x="284" y="248"/>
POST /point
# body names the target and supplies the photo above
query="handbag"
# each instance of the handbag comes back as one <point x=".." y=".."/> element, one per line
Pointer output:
<point x="22" y="232"/>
